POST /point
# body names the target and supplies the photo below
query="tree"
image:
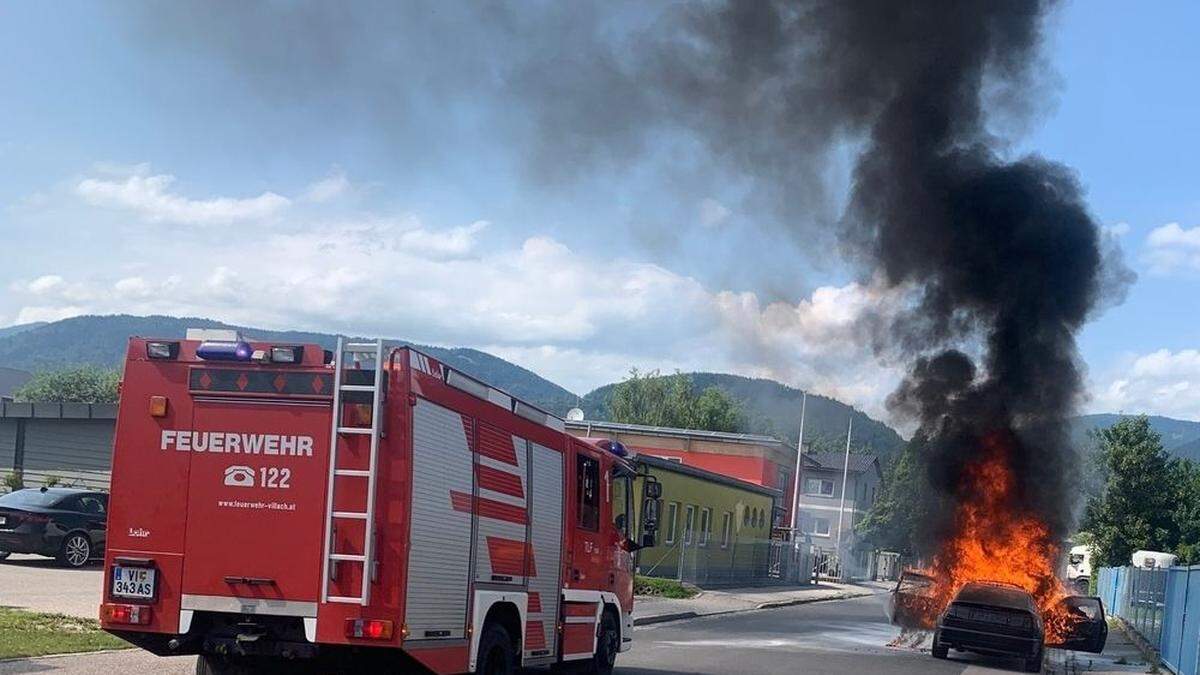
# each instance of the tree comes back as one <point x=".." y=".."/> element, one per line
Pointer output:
<point x="1137" y="509"/>
<point x="891" y="523"/>
<point x="1187" y="512"/>
<point x="671" y="401"/>
<point x="84" y="384"/>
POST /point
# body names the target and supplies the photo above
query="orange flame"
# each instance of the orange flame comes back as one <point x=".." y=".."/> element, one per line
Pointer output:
<point x="997" y="540"/>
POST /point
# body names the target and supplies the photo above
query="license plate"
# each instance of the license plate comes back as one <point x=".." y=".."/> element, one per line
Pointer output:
<point x="133" y="582"/>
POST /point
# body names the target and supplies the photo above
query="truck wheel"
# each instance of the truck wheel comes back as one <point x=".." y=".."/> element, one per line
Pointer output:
<point x="76" y="550"/>
<point x="496" y="655"/>
<point x="608" y="643"/>
<point x="939" y="650"/>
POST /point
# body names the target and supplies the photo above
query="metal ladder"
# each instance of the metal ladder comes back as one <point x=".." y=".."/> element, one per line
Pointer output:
<point x="376" y="389"/>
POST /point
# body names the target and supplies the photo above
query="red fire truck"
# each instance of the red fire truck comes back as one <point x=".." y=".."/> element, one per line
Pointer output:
<point x="281" y="506"/>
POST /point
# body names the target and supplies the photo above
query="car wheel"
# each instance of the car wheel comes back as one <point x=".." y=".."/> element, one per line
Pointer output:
<point x="608" y="643"/>
<point x="76" y="550"/>
<point x="496" y="655"/>
<point x="939" y="650"/>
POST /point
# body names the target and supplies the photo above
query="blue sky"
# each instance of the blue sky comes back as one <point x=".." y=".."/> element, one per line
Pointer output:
<point x="173" y="165"/>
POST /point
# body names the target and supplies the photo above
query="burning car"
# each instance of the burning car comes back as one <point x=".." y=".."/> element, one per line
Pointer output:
<point x="1003" y="619"/>
<point x="992" y="618"/>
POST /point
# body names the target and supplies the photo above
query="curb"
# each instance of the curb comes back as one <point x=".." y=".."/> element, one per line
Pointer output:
<point x="680" y="616"/>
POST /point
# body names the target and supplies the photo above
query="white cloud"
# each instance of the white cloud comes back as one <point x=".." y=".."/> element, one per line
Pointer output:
<point x="578" y="319"/>
<point x="45" y="284"/>
<point x="328" y="188"/>
<point x="150" y="197"/>
<point x="1162" y="382"/>
<point x="712" y="212"/>
<point x="456" y="241"/>
<point x="1171" y="249"/>
<point x="43" y="313"/>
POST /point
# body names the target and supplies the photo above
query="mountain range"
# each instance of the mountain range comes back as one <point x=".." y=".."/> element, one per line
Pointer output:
<point x="771" y="408"/>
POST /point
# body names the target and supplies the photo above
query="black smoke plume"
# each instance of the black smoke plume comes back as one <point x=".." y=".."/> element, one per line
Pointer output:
<point x="1000" y="256"/>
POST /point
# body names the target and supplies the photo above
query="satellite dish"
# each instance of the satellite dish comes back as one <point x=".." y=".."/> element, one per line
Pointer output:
<point x="575" y="415"/>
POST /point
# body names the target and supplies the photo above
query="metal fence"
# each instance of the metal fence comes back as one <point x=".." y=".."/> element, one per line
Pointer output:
<point x="1162" y="605"/>
<point x="741" y="562"/>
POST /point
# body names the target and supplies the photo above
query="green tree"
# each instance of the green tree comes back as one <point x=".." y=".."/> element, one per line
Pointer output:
<point x="1187" y="512"/>
<point x="83" y="384"/>
<point x="891" y="523"/>
<point x="1137" y="508"/>
<point x="671" y="401"/>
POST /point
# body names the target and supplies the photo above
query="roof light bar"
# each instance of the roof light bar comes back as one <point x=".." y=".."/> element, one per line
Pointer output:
<point x="224" y="351"/>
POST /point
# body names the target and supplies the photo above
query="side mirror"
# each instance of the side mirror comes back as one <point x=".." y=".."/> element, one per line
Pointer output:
<point x="649" y="523"/>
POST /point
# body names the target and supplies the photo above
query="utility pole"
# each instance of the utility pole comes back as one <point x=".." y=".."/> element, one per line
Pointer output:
<point x="845" y="473"/>
<point x="796" y="476"/>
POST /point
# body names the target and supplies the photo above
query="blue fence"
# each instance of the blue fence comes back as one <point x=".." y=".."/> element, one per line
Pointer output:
<point x="1162" y="605"/>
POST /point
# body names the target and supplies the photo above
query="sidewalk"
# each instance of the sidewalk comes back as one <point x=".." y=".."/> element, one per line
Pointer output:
<point x="647" y="610"/>
<point x="1120" y="656"/>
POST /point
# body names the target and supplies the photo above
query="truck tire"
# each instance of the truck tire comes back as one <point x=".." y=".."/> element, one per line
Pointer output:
<point x="496" y="656"/>
<point x="608" y="643"/>
<point x="939" y="650"/>
<point x="75" y="551"/>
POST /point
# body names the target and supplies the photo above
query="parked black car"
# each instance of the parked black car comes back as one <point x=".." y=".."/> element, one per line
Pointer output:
<point x="64" y="523"/>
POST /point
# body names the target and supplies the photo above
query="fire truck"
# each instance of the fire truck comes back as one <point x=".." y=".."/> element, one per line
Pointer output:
<point x="282" y="507"/>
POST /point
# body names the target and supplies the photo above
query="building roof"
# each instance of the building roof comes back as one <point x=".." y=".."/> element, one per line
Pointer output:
<point x="671" y="432"/>
<point x="859" y="463"/>
<point x="702" y="474"/>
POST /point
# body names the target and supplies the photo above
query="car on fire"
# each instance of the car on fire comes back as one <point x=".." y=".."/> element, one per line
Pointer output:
<point x="63" y="523"/>
<point x="1002" y="619"/>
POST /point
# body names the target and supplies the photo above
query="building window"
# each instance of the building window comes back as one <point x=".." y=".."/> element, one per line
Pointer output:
<point x="745" y="516"/>
<point x="705" y="526"/>
<point x="818" y="486"/>
<point x="689" y="523"/>
<point x="726" y="526"/>
<point x="784" y="480"/>
<point x="817" y="526"/>
<point x="587" y="486"/>
<point x="672" y="517"/>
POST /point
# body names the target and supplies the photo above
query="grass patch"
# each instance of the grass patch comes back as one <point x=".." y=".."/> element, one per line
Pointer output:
<point x="25" y="633"/>
<point x="663" y="588"/>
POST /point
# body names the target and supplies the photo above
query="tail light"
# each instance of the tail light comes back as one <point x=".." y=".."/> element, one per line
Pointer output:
<point x="372" y="629"/>
<point x="138" y="615"/>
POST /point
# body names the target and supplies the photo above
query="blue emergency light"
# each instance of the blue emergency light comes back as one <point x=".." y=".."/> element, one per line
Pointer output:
<point x="615" y="447"/>
<point x="224" y="351"/>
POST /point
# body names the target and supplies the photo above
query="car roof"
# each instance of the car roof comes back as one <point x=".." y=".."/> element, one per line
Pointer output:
<point x="995" y="594"/>
<point x="62" y="491"/>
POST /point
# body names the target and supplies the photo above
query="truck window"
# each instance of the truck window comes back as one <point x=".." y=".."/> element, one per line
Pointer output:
<point x="622" y="503"/>
<point x="587" y="486"/>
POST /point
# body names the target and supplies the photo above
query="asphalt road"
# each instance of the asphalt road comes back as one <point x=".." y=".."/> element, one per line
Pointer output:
<point x="42" y="585"/>
<point x="847" y="636"/>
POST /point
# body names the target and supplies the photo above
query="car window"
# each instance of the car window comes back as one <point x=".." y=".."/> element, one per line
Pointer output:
<point x="69" y="504"/>
<point x="91" y="504"/>
<point x="29" y="498"/>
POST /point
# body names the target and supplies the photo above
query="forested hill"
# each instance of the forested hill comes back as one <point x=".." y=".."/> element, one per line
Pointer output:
<point x="774" y="409"/>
